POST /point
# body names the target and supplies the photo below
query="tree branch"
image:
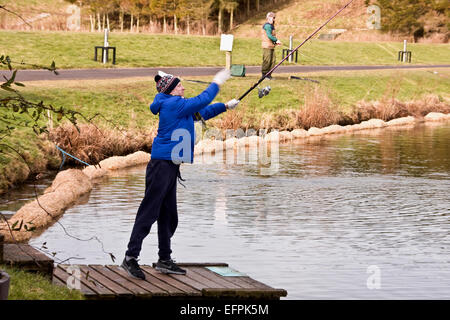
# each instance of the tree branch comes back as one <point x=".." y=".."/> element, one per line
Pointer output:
<point x="12" y="12"/>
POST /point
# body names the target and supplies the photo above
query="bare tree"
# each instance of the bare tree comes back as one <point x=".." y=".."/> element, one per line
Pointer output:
<point x="230" y="6"/>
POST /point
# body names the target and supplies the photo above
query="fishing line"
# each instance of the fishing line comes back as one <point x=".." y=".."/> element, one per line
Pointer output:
<point x="64" y="153"/>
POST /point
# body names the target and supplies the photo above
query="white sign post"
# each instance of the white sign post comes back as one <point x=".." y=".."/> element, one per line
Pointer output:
<point x="106" y="45"/>
<point x="226" y="44"/>
<point x="404" y="50"/>
<point x="291" y="44"/>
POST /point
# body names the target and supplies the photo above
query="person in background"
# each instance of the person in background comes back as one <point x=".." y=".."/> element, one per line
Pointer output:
<point x="269" y="41"/>
<point x="173" y="145"/>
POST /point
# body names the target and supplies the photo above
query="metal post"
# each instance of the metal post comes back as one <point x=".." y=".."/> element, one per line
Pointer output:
<point x="290" y="48"/>
<point x="105" y="45"/>
<point x="404" y="50"/>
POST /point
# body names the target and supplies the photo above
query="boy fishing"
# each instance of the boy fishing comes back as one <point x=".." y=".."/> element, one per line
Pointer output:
<point x="173" y="145"/>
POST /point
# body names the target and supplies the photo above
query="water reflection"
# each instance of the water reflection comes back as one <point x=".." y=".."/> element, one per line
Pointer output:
<point x="337" y="206"/>
<point x="13" y="200"/>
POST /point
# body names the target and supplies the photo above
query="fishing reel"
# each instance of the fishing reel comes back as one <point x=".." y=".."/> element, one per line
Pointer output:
<point x="264" y="91"/>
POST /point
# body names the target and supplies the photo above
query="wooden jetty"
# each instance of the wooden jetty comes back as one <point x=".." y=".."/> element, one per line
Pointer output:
<point x="202" y="281"/>
<point x="25" y="257"/>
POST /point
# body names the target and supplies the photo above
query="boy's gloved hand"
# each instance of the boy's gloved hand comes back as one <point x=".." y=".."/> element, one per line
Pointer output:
<point x="232" y="104"/>
<point x="222" y="76"/>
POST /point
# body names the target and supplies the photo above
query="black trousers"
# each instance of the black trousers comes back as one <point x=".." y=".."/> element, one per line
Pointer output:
<point x="159" y="204"/>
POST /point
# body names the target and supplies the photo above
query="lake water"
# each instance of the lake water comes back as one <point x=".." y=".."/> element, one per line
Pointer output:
<point x="362" y="216"/>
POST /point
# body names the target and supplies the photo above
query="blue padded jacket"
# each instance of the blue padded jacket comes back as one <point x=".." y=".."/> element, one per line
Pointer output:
<point x="176" y="135"/>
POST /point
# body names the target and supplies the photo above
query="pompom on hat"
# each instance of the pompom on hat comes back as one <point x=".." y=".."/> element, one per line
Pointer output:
<point x="165" y="83"/>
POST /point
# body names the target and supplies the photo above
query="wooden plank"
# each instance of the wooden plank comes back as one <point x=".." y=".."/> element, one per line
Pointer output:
<point x="91" y="273"/>
<point x="172" y="290"/>
<point x="244" y="293"/>
<point x="254" y="283"/>
<point x="124" y="282"/>
<point x="20" y="252"/>
<point x="58" y="282"/>
<point x="200" y="279"/>
<point x="27" y="258"/>
<point x="222" y="281"/>
<point x="188" y="289"/>
<point x="202" y="264"/>
<point x="239" y="281"/>
<point x="144" y="284"/>
<point x="92" y="284"/>
<point x="199" y="264"/>
<point x="187" y="281"/>
<point x="62" y="276"/>
<point x="243" y="281"/>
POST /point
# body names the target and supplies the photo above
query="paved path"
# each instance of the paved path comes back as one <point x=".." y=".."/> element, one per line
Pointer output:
<point x="113" y="73"/>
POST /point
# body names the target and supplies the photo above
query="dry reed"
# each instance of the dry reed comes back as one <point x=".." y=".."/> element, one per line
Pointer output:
<point x="318" y="110"/>
<point x="92" y="144"/>
<point x="231" y="119"/>
<point x="390" y="108"/>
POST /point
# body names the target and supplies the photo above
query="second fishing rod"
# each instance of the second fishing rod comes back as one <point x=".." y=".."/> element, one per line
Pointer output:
<point x="267" y="90"/>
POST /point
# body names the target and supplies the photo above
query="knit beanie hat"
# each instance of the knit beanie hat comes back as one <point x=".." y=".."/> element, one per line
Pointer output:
<point x="166" y="83"/>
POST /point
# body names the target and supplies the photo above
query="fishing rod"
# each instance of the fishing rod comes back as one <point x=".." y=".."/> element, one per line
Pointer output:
<point x="267" y="89"/>
<point x="305" y="79"/>
<point x="196" y="81"/>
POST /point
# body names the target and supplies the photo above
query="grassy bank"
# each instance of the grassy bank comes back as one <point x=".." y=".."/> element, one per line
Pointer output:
<point x="127" y="124"/>
<point x="29" y="286"/>
<point x="76" y="50"/>
<point x="126" y="100"/>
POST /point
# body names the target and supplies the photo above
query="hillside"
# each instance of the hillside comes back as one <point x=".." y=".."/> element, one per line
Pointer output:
<point x="298" y="18"/>
<point x="295" y="17"/>
<point x="301" y="18"/>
